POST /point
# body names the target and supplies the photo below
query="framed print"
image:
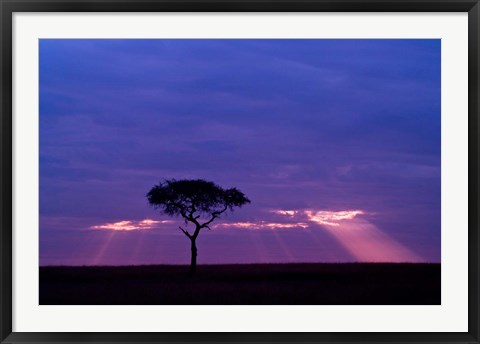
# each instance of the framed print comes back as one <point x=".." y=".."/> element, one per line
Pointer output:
<point x="239" y="171"/>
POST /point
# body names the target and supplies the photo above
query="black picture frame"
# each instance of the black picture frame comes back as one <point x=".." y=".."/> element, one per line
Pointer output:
<point x="9" y="7"/>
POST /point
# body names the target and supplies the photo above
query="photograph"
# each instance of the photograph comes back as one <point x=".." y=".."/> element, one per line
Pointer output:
<point x="240" y="171"/>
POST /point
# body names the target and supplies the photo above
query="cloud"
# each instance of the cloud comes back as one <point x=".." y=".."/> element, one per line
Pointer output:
<point x="295" y="219"/>
<point x="263" y="225"/>
<point x="331" y="218"/>
<point x="290" y="219"/>
<point x="128" y="225"/>
<point x="322" y="217"/>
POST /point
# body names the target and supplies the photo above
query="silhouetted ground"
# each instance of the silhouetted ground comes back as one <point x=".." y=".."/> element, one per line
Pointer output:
<point x="256" y="284"/>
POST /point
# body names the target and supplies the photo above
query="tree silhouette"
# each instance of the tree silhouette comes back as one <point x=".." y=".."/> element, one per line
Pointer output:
<point x="199" y="202"/>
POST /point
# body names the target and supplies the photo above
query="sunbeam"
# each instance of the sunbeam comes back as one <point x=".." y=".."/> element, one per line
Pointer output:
<point x="367" y="243"/>
<point x="285" y="249"/>
<point x="260" y="248"/>
<point x="97" y="259"/>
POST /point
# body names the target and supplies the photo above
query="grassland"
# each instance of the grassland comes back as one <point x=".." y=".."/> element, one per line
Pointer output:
<point x="256" y="284"/>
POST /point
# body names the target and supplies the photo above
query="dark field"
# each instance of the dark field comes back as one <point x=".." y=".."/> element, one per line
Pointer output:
<point x="257" y="284"/>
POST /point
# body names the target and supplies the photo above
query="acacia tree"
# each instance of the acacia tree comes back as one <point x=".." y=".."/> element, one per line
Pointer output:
<point x="199" y="202"/>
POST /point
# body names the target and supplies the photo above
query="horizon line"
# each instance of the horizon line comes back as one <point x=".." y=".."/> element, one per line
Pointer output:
<point x="225" y="264"/>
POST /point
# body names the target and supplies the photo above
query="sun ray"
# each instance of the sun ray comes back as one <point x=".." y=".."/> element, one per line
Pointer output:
<point x="260" y="248"/>
<point x="367" y="243"/>
<point x="137" y="247"/>
<point x="97" y="259"/>
<point x="285" y="249"/>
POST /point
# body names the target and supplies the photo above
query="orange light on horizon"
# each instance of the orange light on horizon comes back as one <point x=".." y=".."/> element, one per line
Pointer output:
<point x="128" y="225"/>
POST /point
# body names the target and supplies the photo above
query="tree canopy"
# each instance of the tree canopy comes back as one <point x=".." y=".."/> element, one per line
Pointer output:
<point x="193" y="198"/>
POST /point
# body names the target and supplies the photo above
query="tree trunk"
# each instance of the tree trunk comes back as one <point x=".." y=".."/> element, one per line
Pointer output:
<point x="193" y="262"/>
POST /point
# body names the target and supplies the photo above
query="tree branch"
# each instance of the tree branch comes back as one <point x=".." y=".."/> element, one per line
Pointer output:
<point x="192" y="210"/>
<point x="190" y="216"/>
<point x="215" y="214"/>
<point x="185" y="232"/>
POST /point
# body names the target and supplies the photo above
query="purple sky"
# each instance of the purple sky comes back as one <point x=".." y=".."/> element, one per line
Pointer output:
<point x="335" y="142"/>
